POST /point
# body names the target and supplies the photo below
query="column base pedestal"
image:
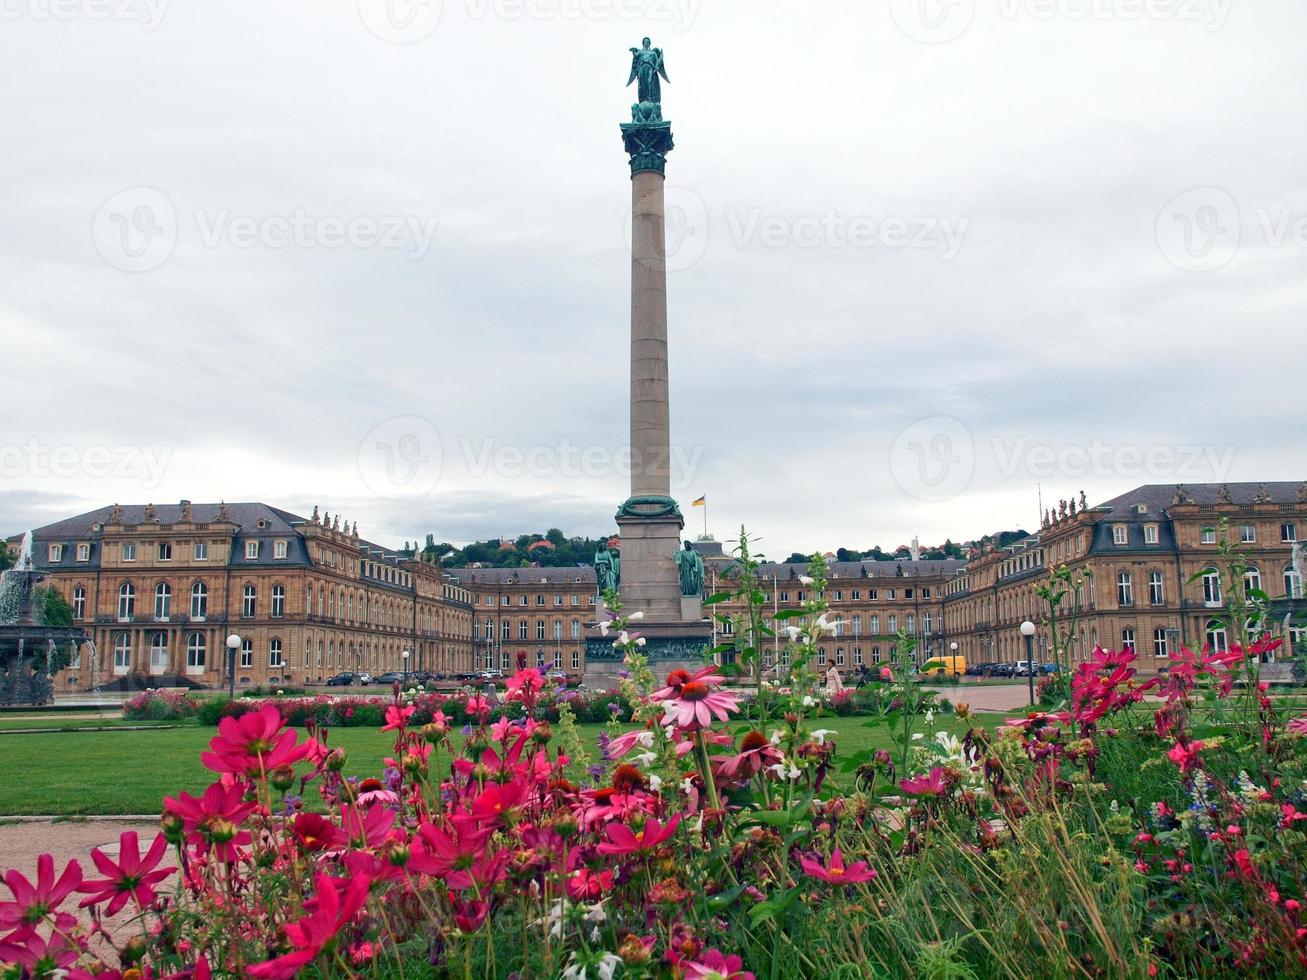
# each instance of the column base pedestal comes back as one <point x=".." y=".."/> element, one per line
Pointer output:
<point x="667" y="646"/>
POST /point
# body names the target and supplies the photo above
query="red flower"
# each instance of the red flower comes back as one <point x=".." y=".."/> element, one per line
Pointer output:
<point x="711" y="964"/>
<point x="836" y="873"/>
<point x="469" y="916"/>
<point x="132" y="877"/>
<point x="33" y="903"/>
<point x="1185" y="756"/>
<point x="397" y="717"/>
<point x="213" y="821"/>
<point x="586" y="885"/>
<point x="625" y="841"/>
<point x="933" y="783"/>
<point x="314" y="832"/>
<point x="42" y="957"/>
<point x="253" y="744"/>
<point x="436" y="852"/>
<point x="337" y="901"/>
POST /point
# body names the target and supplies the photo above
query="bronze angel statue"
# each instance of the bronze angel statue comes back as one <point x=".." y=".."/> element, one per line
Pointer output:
<point x="647" y="65"/>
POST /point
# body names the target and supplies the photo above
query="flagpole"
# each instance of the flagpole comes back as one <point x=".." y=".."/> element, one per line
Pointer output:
<point x="705" y="517"/>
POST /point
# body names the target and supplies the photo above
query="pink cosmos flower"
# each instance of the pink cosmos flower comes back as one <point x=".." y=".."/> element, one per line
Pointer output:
<point x="586" y="886"/>
<point x="397" y="718"/>
<point x="253" y="743"/>
<point x="933" y="783"/>
<point x="34" y="903"/>
<point x="132" y="877"/>
<point x="622" y="840"/>
<point x="42" y="957"/>
<point x="449" y="855"/>
<point x="711" y="964"/>
<point x="337" y="901"/>
<point x="213" y="821"/>
<point x="1298" y="726"/>
<point x="690" y="701"/>
<point x="1185" y="756"/>
<point x="836" y="872"/>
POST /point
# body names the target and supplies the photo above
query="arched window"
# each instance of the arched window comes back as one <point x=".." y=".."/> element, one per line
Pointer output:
<point x="249" y="601"/>
<point x="126" y="602"/>
<point x="162" y="601"/>
<point x="1125" y="589"/>
<point x="122" y="653"/>
<point x="1211" y="587"/>
<point x="159" y="652"/>
<point x="1216" y="637"/>
<point x="195" y="650"/>
<point x="1160" y="646"/>
<point x="1292" y="583"/>
<point x="278" y="601"/>
<point x="1252" y="579"/>
<point x="199" y="601"/>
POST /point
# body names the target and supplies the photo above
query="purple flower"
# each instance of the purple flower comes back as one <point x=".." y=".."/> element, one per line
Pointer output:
<point x="614" y="708"/>
<point x="604" y="739"/>
<point x="467" y="730"/>
<point x="596" y="772"/>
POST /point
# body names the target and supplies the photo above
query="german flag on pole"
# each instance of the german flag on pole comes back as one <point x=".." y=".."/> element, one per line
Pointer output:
<point x="699" y="502"/>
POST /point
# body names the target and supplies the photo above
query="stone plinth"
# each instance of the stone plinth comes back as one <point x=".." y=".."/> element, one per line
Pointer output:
<point x="667" y="646"/>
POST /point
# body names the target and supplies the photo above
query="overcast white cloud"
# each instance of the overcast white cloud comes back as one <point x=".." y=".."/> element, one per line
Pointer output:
<point x="925" y="256"/>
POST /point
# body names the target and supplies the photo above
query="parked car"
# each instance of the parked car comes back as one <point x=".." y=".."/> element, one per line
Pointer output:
<point x="394" y="677"/>
<point x="557" y="675"/>
<point x="1050" y="668"/>
<point x="364" y="678"/>
<point x="1002" y="670"/>
<point x="340" y="680"/>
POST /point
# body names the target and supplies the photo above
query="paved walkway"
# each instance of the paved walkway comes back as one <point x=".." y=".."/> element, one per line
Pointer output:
<point x="988" y="697"/>
<point x="23" y="840"/>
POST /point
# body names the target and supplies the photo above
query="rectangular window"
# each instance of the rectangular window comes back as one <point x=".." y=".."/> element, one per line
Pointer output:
<point x="1288" y="532"/>
<point x="252" y="551"/>
<point x="576" y="600"/>
<point x="1125" y="591"/>
<point x="871" y="594"/>
<point x="889" y="593"/>
<point x="540" y="600"/>
<point x="1209" y="535"/>
<point x="1156" y="592"/>
<point x="247" y="653"/>
<point x="56" y="552"/>
<point x="200" y="551"/>
<point x="165" y="551"/>
<point x="522" y="630"/>
<point x="1248" y="534"/>
<point x="1160" y="648"/>
<point x="507" y="630"/>
<point x="1150" y="534"/>
<point x="129" y="551"/>
<point x="874" y="624"/>
<point x="274" y="654"/>
<point x="576" y="659"/>
<point x="79" y="604"/>
<point x="83" y="552"/>
<point x="785" y="596"/>
<point x="540" y="629"/>
<point x="558" y="629"/>
<point x="279" y="549"/>
<point x="558" y="600"/>
<point x="857" y="594"/>
<point x="576" y="629"/>
<point x="1118" y="534"/>
<point x="893" y="624"/>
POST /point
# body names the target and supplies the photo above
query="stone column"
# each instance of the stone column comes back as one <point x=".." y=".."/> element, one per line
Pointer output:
<point x="650" y="423"/>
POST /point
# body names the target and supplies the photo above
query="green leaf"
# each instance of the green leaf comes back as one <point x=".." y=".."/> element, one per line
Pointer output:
<point x="724" y="900"/>
<point x="789" y="614"/>
<point x="718" y="597"/>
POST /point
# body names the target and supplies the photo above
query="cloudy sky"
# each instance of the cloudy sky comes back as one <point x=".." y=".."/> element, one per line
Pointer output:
<point x="926" y="256"/>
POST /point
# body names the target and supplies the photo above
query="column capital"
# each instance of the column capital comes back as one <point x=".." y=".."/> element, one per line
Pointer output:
<point x="647" y="138"/>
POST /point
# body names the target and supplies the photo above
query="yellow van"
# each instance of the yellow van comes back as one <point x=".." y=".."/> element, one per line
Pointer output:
<point x="954" y="666"/>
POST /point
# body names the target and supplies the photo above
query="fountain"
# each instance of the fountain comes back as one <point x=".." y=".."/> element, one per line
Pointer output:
<point x="29" y="646"/>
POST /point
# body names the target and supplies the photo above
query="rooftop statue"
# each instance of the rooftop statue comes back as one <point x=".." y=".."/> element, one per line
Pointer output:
<point x="647" y="66"/>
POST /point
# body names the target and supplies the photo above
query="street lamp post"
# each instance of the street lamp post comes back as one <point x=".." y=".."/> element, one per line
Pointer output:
<point x="405" y="655"/>
<point x="1028" y="631"/>
<point x="233" y="644"/>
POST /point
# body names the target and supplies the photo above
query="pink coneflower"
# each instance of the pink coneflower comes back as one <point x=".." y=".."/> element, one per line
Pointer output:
<point x="756" y="754"/>
<point x="132" y="877"/>
<point x="691" y="702"/>
<point x="836" y="872"/>
<point x="372" y="791"/>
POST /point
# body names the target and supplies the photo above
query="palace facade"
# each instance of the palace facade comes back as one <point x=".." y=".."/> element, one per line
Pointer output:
<point x="160" y="589"/>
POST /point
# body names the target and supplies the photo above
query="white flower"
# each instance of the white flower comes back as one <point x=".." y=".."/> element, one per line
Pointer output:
<point x="644" y="759"/>
<point x="280" y="692"/>
<point x="820" y="735"/>
<point x="655" y="782"/>
<point x="792" y="633"/>
<point x="779" y="768"/>
<point x="916" y="736"/>
<point x="639" y="641"/>
<point x="824" y="626"/>
<point x="623" y="638"/>
<point x="930" y="716"/>
<point x="776" y="737"/>
<point x="608" y="962"/>
<point x="603" y="627"/>
<point x="645" y="739"/>
<point x="687" y="785"/>
<point x="806" y="579"/>
<point x="595" y="913"/>
<point x="639" y="614"/>
<point x="808" y="702"/>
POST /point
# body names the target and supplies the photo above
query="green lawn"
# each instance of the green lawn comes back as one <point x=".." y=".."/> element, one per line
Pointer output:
<point x="89" y="773"/>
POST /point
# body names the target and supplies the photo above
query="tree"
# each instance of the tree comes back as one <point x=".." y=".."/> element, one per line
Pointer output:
<point x="7" y="558"/>
<point x="50" y="608"/>
<point x="797" y="559"/>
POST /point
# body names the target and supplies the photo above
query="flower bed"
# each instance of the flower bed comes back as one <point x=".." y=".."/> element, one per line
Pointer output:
<point x="158" y="705"/>
<point x="721" y="838"/>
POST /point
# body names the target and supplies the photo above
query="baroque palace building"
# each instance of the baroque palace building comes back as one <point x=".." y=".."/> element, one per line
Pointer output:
<point x="159" y="590"/>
